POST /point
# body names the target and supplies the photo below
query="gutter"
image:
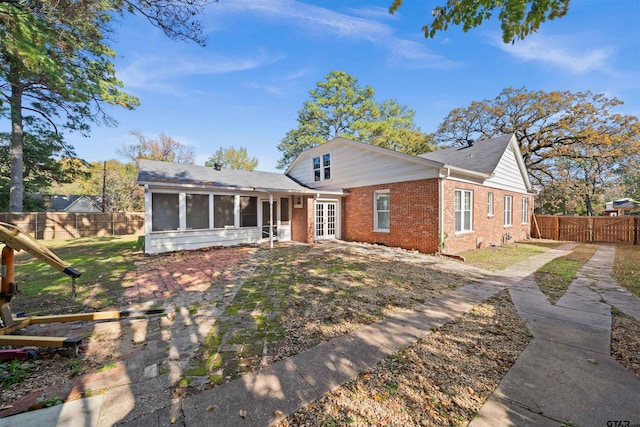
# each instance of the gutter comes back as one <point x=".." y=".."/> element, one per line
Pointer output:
<point x="238" y="188"/>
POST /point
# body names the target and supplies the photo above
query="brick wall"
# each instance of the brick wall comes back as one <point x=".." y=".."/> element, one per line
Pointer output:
<point x="413" y="215"/>
<point x="490" y="229"/>
<point x="302" y="221"/>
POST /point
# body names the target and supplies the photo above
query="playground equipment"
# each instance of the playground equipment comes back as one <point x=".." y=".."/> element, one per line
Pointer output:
<point x="17" y="240"/>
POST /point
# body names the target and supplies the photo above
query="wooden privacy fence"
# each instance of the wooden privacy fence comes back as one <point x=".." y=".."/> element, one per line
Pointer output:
<point x="601" y="229"/>
<point x="67" y="225"/>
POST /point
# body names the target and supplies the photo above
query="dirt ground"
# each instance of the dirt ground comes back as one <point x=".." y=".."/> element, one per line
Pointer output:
<point x="444" y="379"/>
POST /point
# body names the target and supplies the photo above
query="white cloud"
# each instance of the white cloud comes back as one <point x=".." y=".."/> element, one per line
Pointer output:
<point x="158" y="73"/>
<point x="264" y="87"/>
<point x="560" y="51"/>
<point x="325" y="22"/>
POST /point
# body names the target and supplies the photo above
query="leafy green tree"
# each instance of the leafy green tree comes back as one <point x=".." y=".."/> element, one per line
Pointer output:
<point x="570" y="141"/>
<point x="232" y="158"/>
<point x="339" y="107"/>
<point x="46" y="159"/>
<point x="395" y="129"/>
<point x="518" y="18"/>
<point x="114" y="181"/>
<point x="164" y="149"/>
<point x="55" y="64"/>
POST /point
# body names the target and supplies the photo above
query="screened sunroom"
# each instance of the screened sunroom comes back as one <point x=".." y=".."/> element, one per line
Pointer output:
<point x="191" y="207"/>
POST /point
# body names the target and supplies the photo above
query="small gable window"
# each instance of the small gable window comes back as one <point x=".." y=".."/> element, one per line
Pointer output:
<point x="322" y="167"/>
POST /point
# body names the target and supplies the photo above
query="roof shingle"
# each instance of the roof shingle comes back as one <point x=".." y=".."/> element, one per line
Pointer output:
<point x="151" y="171"/>
<point x="482" y="156"/>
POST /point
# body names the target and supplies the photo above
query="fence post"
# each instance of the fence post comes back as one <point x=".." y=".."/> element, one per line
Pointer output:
<point x="556" y="231"/>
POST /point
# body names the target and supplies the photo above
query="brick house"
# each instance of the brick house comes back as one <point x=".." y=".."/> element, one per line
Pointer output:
<point x="450" y="200"/>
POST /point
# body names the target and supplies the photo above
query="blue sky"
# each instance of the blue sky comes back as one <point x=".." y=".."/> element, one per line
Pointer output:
<point x="263" y="57"/>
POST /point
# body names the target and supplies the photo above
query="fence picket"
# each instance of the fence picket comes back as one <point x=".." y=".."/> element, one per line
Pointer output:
<point x="606" y="229"/>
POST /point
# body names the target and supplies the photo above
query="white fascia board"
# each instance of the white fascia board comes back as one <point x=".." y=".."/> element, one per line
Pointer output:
<point x="462" y="171"/>
<point x="177" y="187"/>
<point x="513" y="144"/>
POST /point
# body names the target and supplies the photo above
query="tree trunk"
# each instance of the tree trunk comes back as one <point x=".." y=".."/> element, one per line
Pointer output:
<point x="16" y="192"/>
<point x="589" y="205"/>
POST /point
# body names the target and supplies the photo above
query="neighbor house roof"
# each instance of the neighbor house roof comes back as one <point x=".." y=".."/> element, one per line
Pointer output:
<point x="625" y="203"/>
<point x="164" y="173"/>
<point x="70" y="203"/>
<point x="481" y="156"/>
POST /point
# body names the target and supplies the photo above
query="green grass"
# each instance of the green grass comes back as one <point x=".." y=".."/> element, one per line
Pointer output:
<point x="15" y="371"/>
<point x="499" y="258"/>
<point x="555" y="276"/>
<point x="107" y="367"/>
<point x="626" y="268"/>
<point x="105" y="260"/>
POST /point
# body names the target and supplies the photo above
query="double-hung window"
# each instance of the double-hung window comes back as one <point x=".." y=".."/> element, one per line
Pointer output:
<point x="490" y="204"/>
<point x="525" y="210"/>
<point x="508" y="210"/>
<point x="463" y="222"/>
<point x="381" y="211"/>
<point x="322" y="167"/>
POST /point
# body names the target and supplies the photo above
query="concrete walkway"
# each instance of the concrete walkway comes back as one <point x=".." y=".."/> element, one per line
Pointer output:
<point x="565" y="374"/>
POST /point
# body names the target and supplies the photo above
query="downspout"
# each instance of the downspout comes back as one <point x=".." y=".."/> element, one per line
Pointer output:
<point x="147" y="220"/>
<point x="441" y="211"/>
<point x="270" y="220"/>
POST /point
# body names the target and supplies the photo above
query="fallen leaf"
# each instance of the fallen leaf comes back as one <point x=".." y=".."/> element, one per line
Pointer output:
<point x="243" y="413"/>
<point x="278" y="413"/>
<point x="592" y="361"/>
<point x="209" y="408"/>
<point x="173" y="420"/>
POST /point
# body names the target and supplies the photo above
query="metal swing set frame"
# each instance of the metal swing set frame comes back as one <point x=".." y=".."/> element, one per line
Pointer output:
<point x="14" y="240"/>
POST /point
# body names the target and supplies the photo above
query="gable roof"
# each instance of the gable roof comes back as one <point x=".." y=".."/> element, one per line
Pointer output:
<point x="83" y="204"/>
<point x="482" y="156"/>
<point x="165" y="173"/>
<point x="362" y="145"/>
<point x="625" y="203"/>
<point x="69" y="202"/>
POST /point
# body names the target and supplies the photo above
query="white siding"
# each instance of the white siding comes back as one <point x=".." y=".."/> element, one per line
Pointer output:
<point x="159" y="242"/>
<point x="185" y="239"/>
<point x="507" y="175"/>
<point x="353" y="166"/>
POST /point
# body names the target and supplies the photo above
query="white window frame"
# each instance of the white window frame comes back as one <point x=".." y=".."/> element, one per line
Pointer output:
<point x="459" y="206"/>
<point x="508" y="211"/>
<point x="490" y="204"/>
<point x="376" y="211"/>
<point x="322" y="168"/>
<point x="297" y="201"/>
<point x="525" y="210"/>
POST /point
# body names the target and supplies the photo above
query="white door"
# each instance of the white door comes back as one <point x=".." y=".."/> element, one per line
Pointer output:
<point x="325" y="220"/>
<point x="266" y="220"/>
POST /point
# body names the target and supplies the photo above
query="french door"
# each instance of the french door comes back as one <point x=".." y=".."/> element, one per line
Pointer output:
<point x="325" y="220"/>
